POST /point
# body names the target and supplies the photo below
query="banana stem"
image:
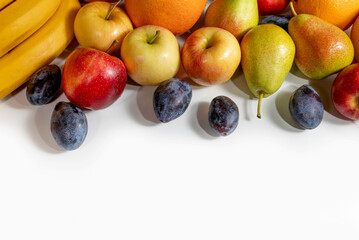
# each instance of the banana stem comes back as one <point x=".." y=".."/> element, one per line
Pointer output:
<point x="112" y="44"/>
<point x="111" y="10"/>
<point x="292" y="9"/>
<point x="154" y="37"/>
<point x="259" y="105"/>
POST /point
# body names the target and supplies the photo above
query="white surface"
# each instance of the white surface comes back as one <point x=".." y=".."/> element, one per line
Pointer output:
<point x="134" y="178"/>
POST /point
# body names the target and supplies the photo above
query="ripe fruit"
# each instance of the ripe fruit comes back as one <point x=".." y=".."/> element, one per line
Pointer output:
<point x="266" y="7"/>
<point x="223" y="115"/>
<point x="267" y="57"/>
<point x="100" y="0"/>
<point x="210" y="56"/>
<point x="171" y="99"/>
<point x="68" y="125"/>
<point x="306" y="107"/>
<point x="345" y="92"/>
<point x="43" y="85"/>
<point x="99" y="24"/>
<point x="21" y="19"/>
<point x="176" y="16"/>
<point x="93" y="79"/>
<point x="280" y="21"/>
<point x="235" y="16"/>
<point x="39" y="49"/>
<point x="354" y="35"/>
<point x="4" y="3"/>
<point x="151" y="55"/>
<point x="321" y="48"/>
<point x="338" y="12"/>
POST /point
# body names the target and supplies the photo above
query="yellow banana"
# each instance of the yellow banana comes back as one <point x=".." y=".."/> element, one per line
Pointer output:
<point x="39" y="49"/>
<point x="3" y="3"/>
<point x="21" y="19"/>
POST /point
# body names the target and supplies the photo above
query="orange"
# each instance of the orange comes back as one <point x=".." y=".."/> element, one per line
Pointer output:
<point x="341" y="13"/>
<point x="354" y="35"/>
<point x="178" y="16"/>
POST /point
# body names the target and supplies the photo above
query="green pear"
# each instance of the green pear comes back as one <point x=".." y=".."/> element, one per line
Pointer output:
<point x="267" y="57"/>
<point x="322" y="48"/>
<point x="235" y="16"/>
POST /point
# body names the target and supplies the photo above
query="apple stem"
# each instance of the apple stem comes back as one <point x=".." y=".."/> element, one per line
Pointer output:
<point x="154" y="37"/>
<point x="112" y="44"/>
<point x="259" y="105"/>
<point x="111" y="10"/>
<point x="292" y="9"/>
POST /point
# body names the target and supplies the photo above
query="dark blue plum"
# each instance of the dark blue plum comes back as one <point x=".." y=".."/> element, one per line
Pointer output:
<point x="306" y="107"/>
<point x="44" y="85"/>
<point x="68" y="125"/>
<point x="277" y="20"/>
<point x="171" y="99"/>
<point x="223" y="115"/>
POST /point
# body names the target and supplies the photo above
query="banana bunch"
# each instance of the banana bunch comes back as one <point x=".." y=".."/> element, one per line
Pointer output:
<point x="3" y="3"/>
<point x="32" y="34"/>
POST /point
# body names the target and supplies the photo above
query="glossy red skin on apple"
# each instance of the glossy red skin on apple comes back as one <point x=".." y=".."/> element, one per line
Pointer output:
<point x="93" y="79"/>
<point x="345" y="92"/>
<point x="267" y="7"/>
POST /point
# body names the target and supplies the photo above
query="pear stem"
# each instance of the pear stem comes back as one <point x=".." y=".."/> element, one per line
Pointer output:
<point x="292" y="9"/>
<point x="112" y="44"/>
<point x="259" y="105"/>
<point x="111" y="10"/>
<point x="154" y="37"/>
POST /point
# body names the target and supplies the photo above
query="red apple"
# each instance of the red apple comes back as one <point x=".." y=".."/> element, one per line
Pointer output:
<point x="93" y="79"/>
<point x="267" y="7"/>
<point x="345" y="92"/>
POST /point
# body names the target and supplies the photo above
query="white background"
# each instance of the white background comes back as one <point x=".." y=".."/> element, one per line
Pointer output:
<point x="135" y="178"/>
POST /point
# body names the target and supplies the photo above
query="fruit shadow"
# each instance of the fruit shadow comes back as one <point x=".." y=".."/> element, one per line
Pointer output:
<point x="17" y="99"/>
<point x="296" y="72"/>
<point x="60" y="60"/>
<point x="201" y="124"/>
<point x="323" y="87"/>
<point x="181" y="74"/>
<point x="147" y="114"/>
<point x="241" y="90"/>
<point x="284" y="119"/>
<point x="39" y="129"/>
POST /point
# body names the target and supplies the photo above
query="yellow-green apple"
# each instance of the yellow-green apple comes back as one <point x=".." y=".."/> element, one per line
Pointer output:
<point x="210" y="56"/>
<point x="267" y="7"/>
<point x="151" y="55"/>
<point x="345" y="92"/>
<point x="99" y="24"/>
<point x="93" y="79"/>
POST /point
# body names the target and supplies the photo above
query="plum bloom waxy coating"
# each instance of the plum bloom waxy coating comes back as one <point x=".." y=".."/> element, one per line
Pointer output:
<point x="171" y="99"/>
<point x="306" y="107"/>
<point x="223" y="115"/>
<point x="68" y="125"/>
